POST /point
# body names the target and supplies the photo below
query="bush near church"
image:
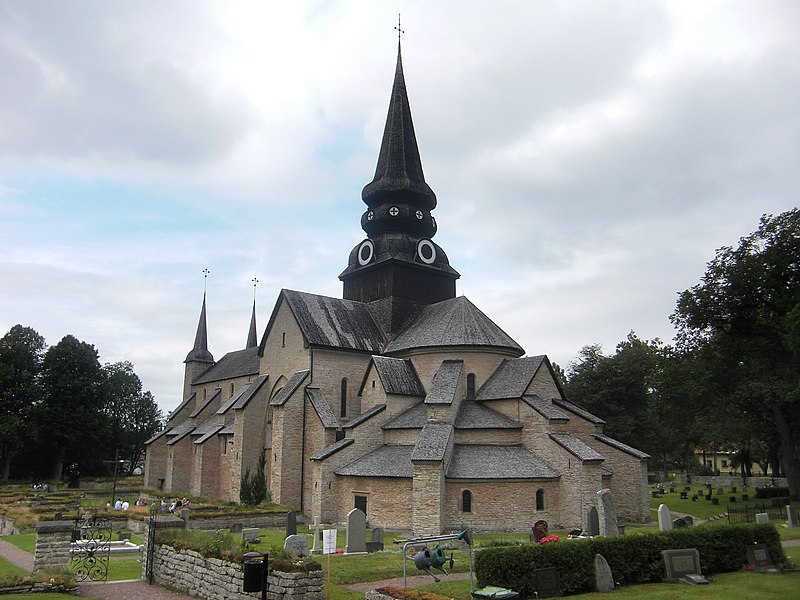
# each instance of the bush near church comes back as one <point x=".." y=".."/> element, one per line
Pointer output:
<point x="633" y="559"/>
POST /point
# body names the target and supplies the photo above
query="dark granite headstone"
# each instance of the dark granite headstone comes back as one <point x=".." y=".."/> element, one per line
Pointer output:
<point x="684" y="495"/>
<point x="758" y="555"/>
<point x="682" y="566"/>
<point x="291" y="524"/>
<point x="540" y="529"/>
<point x="715" y="501"/>
<point x="592" y="522"/>
<point x="546" y="582"/>
<point x="236" y="528"/>
<point x="688" y="519"/>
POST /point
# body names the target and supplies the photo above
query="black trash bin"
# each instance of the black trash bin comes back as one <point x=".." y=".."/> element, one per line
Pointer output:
<point x="254" y="565"/>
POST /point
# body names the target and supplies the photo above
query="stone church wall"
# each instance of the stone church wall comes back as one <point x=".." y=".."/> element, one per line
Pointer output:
<point x="389" y="500"/>
<point x="628" y="484"/>
<point x="285" y="350"/>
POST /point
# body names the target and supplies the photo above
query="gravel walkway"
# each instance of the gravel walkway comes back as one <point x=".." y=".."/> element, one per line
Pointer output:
<point x="16" y="556"/>
<point x="128" y="590"/>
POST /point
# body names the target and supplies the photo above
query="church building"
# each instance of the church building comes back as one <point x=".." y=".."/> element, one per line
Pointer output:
<point x="400" y="398"/>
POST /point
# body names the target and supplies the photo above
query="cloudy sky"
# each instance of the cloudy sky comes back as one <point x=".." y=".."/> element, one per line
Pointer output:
<point x="588" y="157"/>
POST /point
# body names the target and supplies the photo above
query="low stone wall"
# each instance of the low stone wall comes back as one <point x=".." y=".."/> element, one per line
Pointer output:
<point x="731" y="480"/>
<point x="53" y="539"/>
<point x="198" y="521"/>
<point x="215" y="579"/>
<point x="38" y="588"/>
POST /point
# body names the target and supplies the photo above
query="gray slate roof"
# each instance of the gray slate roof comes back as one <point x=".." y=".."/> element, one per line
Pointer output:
<point x="510" y="379"/>
<point x="202" y="405"/>
<point x="249" y="391"/>
<point x="620" y="446"/>
<point x="414" y="418"/>
<point x="209" y="434"/>
<point x="575" y="446"/>
<point x="444" y="386"/>
<point x="386" y="461"/>
<point x="332" y="322"/>
<point x="453" y="322"/>
<point x="291" y="386"/>
<point x="397" y="376"/>
<point x="326" y="416"/>
<point x="240" y="363"/>
<point x="179" y="432"/>
<point x="157" y="435"/>
<point x="581" y="412"/>
<point x="432" y="442"/>
<point x="472" y="415"/>
<point x="332" y="449"/>
<point x="545" y="408"/>
<point x="214" y="423"/>
<point x="497" y="462"/>
<point x="181" y="406"/>
<point x="365" y="416"/>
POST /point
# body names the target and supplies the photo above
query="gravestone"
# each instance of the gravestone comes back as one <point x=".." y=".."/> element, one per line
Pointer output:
<point x="606" y="514"/>
<point x="689" y="520"/>
<point x="671" y="489"/>
<point x="58" y="516"/>
<point x="250" y="534"/>
<point x="664" y="518"/>
<point x="762" y="518"/>
<point x="236" y="528"/>
<point x="683" y="566"/>
<point x="791" y="516"/>
<point x="592" y="522"/>
<point x="732" y="499"/>
<point x="720" y="491"/>
<point x="125" y="536"/>
<point x="375" y="544"/>
<point x="684" y="495"/>
<point x="679" y="523"/>
<point x="758" y="555"/>
<point x="708" y="496"/>
<point x="733" y="490"/>
<point x="540" y="529"/>
<point x="546" y="582"/>
<point x="356" y="532"/>
<point x="715" y="501"/>
<point x="291" y="524"/>
<point x="694" y="498"/>
<point x="603" y="579"/>
<point x="297" y="545"/>
<point x="317" y="529"/>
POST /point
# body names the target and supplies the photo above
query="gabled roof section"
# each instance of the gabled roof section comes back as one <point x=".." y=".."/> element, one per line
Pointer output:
<point x="575" y="446"/>
<point x="453" y="322"/>
<point x="322" y="408"/>
<point x="157" y="436"/>
<point x="386" y="461"/>
<point x="414" y="418"/>
<point x="397" y="376"/>
<point x="211" y="433"/>
<point x="577" y="410"/>
<point x="472" y="415"/>
<point x="181" y="406"/>
<point x="620" y="446"/>
<point x="291" y="386"/>
<point x="432" y="442"/>
<point x="240" y="363"/>
<point x="510" y="379"/>
<point x="330" y="322"/>
<point x="176" y="434"/>
<point x="497" y="462"/>
<point x="332" y="449"/>
<point x="249" y="391"/>
<point x="444" y="386"/>
<point x="211" y="423"/>
<point x="200" y="353"/>
<point x="365" y="416"/>
<point x="547" y="409"/>
<point x="203" y="405"/>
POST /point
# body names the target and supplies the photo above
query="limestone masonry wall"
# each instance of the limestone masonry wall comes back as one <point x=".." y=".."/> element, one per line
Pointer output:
<point x="216" y="579"/>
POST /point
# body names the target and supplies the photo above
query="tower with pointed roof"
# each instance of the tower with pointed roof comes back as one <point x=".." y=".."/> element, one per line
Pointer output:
<point x="199" y="358"/>
<point x="398" y="268"/>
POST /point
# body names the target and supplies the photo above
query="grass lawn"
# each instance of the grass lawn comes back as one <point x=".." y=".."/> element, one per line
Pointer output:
<point x="23" y="541"/>
<point x="703" y="509"/>
<point x="6" y="568"/>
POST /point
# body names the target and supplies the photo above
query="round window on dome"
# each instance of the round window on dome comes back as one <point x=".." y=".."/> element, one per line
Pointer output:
<point x="365" y="252"/>
<point x="426" y="251"/>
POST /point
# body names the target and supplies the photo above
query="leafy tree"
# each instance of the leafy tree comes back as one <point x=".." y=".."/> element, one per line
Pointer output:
<point x="70" y="414"/>
<point x="21" y="351"/>
<point x="742" y="321"/>
<point x="132" y="415"/>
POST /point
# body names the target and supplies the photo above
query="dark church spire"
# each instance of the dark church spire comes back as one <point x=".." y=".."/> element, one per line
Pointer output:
<point x="200" y="351"/>
<point x="252" y="336"/>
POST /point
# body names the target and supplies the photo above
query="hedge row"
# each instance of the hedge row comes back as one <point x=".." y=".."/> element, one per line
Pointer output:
<point x="772" y="492"/>
<point x="633" y="558"/>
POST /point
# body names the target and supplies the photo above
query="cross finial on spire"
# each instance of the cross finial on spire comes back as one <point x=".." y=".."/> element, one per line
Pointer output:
<point x="206" y="273"/>
<point x="399" y="31"/>
<point x="255" y="284"/>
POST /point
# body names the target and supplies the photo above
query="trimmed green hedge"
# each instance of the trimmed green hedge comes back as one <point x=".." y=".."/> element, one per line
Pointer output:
<point x="633" y="558"/>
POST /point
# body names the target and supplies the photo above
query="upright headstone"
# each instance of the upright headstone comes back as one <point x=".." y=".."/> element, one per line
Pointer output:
<point x="791" y="516"/>
<point x="758" y="555"/>
<point x="664" y="518"/>
<point x="689" y="520"/>
<point x="762" y="518"/>
<point x="317" y="529"/>
<point x="603" y="580"/>
<point x="375" y="543"/>
<point x="291" y="524"/>
<point x="236" y="528"/>
<point x="606" y="514"/>
<point x="297" y="545"/>
<point x="356" y="532"/>
<point x="540" y="529"/>
<point x="592" y="522"/>
<point x="547" y="582"/>
<point x="682" y="566"/>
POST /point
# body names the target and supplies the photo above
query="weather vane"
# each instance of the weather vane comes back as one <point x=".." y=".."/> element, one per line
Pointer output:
<point x="399" y="31"/>
<point x="206" y="272"/>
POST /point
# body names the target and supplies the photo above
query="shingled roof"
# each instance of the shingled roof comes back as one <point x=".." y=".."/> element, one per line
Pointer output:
<point x="432" y="442"/>
<point x="365" y="416"/>
<point x="472" y="415"/>
<point x="244" y="395"/>
<point x="576" y="447"/>
<point x="581" y="412"/>
<point x="204" y="404"/>
<point x="182" y="405"/>
<point x="330" y="322"/>
<point x="545" y="408"/>
<point x="511" y="379"/>
<point x="291" y="386"/>
<point x="240" y="363"/>
<point x="453" y="322"/>
<point x="620" y="446"/>
<point x="497" y="462"/>
<point x="444" y="386"/>
<point x="386" y="461"/>
<point x="397" y="376"/>
<point x="179" y="432"/>
<point x="414" y="418"/>
<point x="332" y="449"/>
<point x="322" y="408"/>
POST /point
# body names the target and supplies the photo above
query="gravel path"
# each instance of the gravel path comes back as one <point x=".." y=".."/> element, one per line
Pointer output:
<point x="16" y="556"/>
<point x="128" y="590"/>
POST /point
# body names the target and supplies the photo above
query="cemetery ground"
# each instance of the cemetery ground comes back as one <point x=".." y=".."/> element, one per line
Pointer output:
<point x="346" y="571"/>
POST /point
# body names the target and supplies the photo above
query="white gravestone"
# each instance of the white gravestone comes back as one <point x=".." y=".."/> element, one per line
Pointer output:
<point x="664" y="518"/>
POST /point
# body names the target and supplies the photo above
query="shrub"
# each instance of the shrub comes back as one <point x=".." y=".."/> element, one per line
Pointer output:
<point x="633" y="559"/>
<point x="253" y="489"/>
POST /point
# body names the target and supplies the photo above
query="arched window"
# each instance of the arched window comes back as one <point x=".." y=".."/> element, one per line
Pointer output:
<point x="471" y="386"/>
<point x="540" y="499"/>
<point x="232" y="388"/>
<point x="343" y="399"/>
<point x="466" y="501"/>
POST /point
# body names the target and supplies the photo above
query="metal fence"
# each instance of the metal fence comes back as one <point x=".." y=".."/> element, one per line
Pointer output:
<point x="747" y="514"/>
